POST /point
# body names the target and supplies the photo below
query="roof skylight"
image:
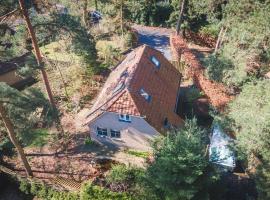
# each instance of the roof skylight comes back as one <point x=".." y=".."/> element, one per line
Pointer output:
<point x="145" y="95"/>
<point x="155" y="61"/>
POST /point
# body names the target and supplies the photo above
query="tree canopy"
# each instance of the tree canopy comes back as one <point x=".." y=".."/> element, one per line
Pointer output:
<point x="181" y="169"/>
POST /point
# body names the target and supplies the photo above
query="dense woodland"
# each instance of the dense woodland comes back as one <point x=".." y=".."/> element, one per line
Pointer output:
<point x="77" y="55"/>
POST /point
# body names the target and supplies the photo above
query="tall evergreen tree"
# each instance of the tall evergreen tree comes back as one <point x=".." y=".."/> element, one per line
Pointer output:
<point x="180" y="19"/>
<point x="37" y="51"/>
<point x="12" y="136"/>
<point x="20" y="112"/>
<point x="181" y="169"/>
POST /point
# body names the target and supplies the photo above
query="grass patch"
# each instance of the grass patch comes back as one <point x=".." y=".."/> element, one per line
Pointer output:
<point x="36" y="138"/>
<point x="88" y="142"/>
<point x="141" y="154"/>
<point x="57" y="51"/>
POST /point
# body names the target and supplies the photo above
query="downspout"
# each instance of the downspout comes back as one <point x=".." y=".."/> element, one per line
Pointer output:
<point x="177" y="97"/>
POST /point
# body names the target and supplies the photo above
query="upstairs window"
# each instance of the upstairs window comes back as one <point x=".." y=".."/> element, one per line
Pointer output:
<point x="145" y="95"/>
<point x="102" y="131"/>
<point x="155" y="61"/>
<point x="166" y="123"/>
<point x="115" y="134"/>
<point x="124" y="118"/>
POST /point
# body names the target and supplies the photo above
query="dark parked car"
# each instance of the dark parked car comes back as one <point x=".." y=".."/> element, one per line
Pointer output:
<point x="95" y="16"/>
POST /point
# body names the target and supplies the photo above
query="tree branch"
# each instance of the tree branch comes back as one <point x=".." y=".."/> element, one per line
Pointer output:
<point x="3" y="17"/>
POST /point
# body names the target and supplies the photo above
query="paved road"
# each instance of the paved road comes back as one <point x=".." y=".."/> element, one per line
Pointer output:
<point x="155" y="37"/>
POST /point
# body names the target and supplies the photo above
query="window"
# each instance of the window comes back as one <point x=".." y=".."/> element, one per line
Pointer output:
<point x="124" y="117"/>
<point x="145" y="95"/>
<point x="115" y="134"/>
<point x="102" y="131"/>
<point x="155" y="61"/>
<point x="166" y="122"/>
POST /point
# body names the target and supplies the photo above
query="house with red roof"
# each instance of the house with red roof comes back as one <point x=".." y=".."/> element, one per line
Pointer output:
<point x="138" y="101"/>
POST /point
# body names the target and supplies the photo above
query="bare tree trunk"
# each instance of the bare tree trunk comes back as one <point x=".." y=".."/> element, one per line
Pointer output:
<point x="85" y="17"/>
<point x="96" y="6"/>
<point x="222" y="37"/>
<point x="37" y="51"/>
<point x="180" y="19"/>
<point x="12" y="136"/>
<point x="219" y="39"/>
<point x="121" y="16"/>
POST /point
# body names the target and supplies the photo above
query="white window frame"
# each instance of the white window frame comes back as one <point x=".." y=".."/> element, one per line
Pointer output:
<point x="117" y="133"/>
<point x="104" y="131"/>
<point x="124" y="118"/>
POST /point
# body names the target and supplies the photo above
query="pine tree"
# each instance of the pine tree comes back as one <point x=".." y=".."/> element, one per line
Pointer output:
<point x="19" y="112"/>
<point x="11" y="133"/>
<point x="37" y="51"/>
<point x="181" y="12"/>
<point x="181" y="169"/>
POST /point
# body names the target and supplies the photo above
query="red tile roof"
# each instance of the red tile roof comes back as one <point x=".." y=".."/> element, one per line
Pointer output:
<point x="121" y="92"/>
<point x="124" y="104"/>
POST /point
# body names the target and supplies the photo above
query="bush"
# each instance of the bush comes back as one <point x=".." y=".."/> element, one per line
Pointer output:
<point x="123" y="174"/>
<point x="6" y="147"/>
<point x="44" y="192"/>
<point x="212" y="30"/>
<point x="89" y="141"/>
<point x="90" y="191"/>
<point x="263" y="181"/>
<point x="87" y="192"/>
<point x="25" y="186"/>
<point x="192" y="94"/>
<point x="161" y="13"/>
<point x="141" y="154"/>
<point x="217" y="68"/>
<point x="131" y="39"/>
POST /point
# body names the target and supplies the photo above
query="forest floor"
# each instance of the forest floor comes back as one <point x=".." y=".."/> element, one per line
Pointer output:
<point x="80" y="161"/>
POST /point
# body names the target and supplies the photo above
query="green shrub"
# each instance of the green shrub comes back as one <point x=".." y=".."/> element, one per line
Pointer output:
<point x="88" y="141"/>
<point x="122" y="174"/>
<point x="44" y="192"/>
<point x="212" y="30"/>
<point x="193" y="94"/>
<point x="141" y="154"/>
<point x="90" y="191"/>
<point x="6" y="147"/>
<point x="217" y="68"/>
<point x="119" y="173"/>
<point x="34" y="188"/>
<point x="25" y="186"/>
<point x="130" y="39"/>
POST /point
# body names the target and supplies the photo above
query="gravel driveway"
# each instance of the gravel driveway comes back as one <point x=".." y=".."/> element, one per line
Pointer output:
<point x="158" y="38"/>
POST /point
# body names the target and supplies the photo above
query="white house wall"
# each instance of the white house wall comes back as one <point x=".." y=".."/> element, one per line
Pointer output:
<point x="135" y="134"/>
